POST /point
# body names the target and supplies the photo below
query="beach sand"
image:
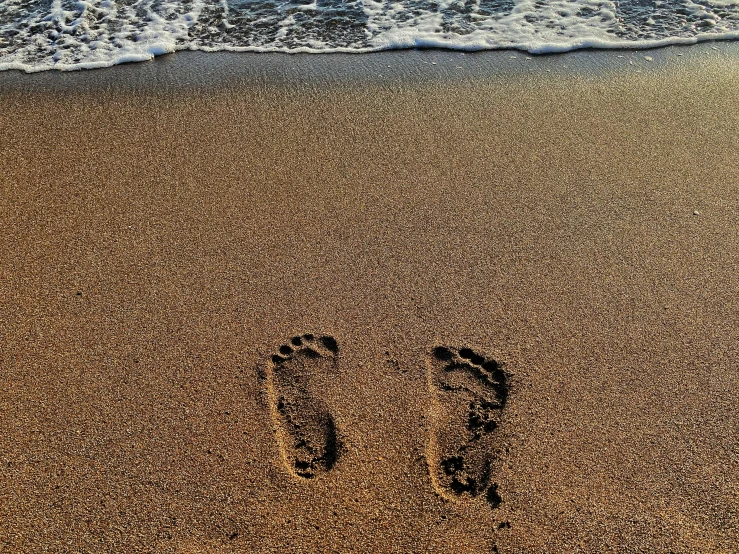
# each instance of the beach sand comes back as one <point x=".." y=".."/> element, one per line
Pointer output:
<point x="161" y="239"/>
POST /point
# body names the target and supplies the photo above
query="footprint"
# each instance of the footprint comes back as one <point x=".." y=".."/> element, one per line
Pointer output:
<point x="469" y="394"/>
<point x="306" y="431"/>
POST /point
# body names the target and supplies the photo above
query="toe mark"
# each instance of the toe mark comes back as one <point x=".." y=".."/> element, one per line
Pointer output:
<point x="442" y="353"/>
<point x="466" y="353"/>
<point x="330" y="344"/>
<point x="285" y="350"/>
<point x="491" y="366"/>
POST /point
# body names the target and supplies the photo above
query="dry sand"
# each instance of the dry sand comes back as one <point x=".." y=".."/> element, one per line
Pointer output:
<point x="158" y="245"/>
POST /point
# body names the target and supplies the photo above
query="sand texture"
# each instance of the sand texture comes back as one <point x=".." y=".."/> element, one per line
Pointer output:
<point x="372" y="316"/>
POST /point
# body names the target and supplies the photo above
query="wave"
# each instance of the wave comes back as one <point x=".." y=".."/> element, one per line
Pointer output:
<point x="38" y="35"/>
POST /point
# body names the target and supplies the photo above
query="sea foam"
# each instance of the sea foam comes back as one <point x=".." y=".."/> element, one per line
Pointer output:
<point x="37" y="35"/>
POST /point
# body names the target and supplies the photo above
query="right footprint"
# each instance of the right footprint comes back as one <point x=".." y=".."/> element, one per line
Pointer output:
<point x="306" y="431"/>
<point x="469" y="393"/>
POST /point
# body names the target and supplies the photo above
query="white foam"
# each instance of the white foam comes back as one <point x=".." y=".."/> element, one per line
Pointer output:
<point x="76" y="34"/>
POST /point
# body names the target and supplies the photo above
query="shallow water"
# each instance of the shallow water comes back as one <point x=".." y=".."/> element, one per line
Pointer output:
<point x="38" y="35"/>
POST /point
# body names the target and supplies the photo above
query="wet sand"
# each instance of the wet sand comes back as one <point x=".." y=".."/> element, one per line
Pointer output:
<point x="159" y="242"/>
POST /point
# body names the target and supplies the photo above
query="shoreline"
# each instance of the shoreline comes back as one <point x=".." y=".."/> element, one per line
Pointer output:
<point x="157" y="250"/>
<point x="192" y="70"/>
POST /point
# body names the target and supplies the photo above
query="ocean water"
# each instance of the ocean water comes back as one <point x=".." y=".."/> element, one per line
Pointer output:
<point x="37" y="35"/>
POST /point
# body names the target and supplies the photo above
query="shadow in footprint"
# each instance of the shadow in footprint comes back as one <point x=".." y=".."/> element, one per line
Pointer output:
<point x="469" y="394"/>
<point x="306" y="431"/>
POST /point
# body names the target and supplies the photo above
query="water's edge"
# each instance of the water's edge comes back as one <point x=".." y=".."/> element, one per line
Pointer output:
<point x="199" y="70"/>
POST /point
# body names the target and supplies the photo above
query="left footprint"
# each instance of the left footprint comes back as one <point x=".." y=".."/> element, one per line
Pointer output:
<point x="306" y="431"/>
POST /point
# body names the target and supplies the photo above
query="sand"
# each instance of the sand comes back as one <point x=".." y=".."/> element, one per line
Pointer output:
<point x="162" y="234"/>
